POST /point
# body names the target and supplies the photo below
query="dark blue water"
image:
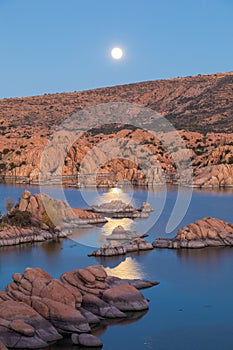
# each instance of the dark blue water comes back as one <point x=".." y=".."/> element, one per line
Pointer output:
<point x="192" y="308"/>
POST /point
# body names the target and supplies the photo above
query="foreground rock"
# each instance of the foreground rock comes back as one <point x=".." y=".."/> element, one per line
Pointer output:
<point x="119" y="209"/>
<point x="2" y="346"/>
<point x="114" y="281"/>
<point x="36" y="309"/>
<point x="22" y="327"/>
<point x="117" y="248"/>
<point x="126" y="298"/>
<point x="207" y="232"/>
<point x="87" y="340"/>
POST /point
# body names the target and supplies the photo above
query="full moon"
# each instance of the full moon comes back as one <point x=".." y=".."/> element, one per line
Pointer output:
<point x="117" y="53"/>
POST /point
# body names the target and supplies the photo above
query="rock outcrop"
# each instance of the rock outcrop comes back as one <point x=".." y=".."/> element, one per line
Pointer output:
<point x="36" y="309"/>
<point x="120" y="234"/>
<point x="11" y="235"/>
<point x="220" y="175"/>
<point x="207" y="232"/>
<point x="40" y="225"/>
<point x="22" y="327"/>
<point x="119" y="209"/>
<point x="87" y="340"/>
<point x="117" y="248"/>
<point x="61" y="213"/>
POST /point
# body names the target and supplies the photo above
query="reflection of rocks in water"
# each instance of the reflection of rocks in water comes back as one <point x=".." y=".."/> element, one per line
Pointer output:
<point x="131" y="318"/>
<point x="129" y="268"/>
<point x="52" y="247"/>
<point x="208" y="256"/>
<point x="126" y="223"/>
<point x="120" y="234"/>
<point x="101" y="329"/>
<point x="116" y="193"/>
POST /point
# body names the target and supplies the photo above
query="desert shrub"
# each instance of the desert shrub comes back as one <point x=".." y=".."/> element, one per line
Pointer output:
<point x="23" y="163"/>
<point x="2" y="167"/>
<point x="12" y="165"/>
<point x="17" y="218"/>
<point x="18" y="152"/>
<point x="6" y="150"/>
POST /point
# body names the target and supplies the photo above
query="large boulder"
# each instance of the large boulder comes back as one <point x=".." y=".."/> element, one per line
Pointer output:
<point x="3" y="346"/>
<point x="126" y="298"/>
<point x="64" y="317"/>
<point x="89" y="340"/>
<point x="24" y="327"/>
<point x="90" y="280"/>
<point x="36" y="309"/>
<point x="100" y="308"/>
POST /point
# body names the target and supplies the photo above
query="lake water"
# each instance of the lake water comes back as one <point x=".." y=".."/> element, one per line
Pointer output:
<point x="192" y="308"/>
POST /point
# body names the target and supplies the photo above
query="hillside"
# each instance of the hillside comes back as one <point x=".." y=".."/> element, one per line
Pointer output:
<point x="203" y="103"/>
<point x="200" y="107"/>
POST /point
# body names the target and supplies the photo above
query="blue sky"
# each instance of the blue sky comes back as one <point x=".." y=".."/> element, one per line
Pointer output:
<point x="50" y="46"/>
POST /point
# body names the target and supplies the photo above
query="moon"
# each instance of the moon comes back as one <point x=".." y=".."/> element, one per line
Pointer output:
<point x="117" y="53"/>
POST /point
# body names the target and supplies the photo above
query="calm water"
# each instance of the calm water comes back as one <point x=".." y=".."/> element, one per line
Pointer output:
<point x="192" y="308"/>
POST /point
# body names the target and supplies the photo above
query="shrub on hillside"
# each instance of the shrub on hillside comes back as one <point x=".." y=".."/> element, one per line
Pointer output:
<point x="17" y="218"/>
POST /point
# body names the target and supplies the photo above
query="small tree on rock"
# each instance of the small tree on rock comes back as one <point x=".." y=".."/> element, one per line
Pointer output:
<point x="9" y="203"/>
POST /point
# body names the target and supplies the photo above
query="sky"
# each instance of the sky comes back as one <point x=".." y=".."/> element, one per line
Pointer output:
<point x="50" y="46"/>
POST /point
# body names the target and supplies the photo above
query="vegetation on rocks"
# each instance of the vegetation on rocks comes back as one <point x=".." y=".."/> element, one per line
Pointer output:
<point x="17" y="218"/>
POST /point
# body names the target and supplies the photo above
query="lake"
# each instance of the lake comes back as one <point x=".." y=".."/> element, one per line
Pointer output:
<point x="191" y="308"/>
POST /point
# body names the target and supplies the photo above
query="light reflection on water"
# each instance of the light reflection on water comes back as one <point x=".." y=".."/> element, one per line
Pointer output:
<point x="117" y="193"/>
<point x="129" y="268"/>
<point x="128" y="224"/>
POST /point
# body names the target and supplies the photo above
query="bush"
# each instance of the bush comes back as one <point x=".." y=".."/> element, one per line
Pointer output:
<point x="23" y="163"/>
<point x="12" y="165"/>
<point x="2" y="167"/>
<point x="17" y="218"/>
<point x="6" y="150"/>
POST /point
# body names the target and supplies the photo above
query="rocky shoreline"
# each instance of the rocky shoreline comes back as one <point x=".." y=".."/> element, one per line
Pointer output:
<point x="207" y="176"/>
<point x="36" y="309"/>
<point x="118" y="248"/>
<point x="10" y="236"/>
<point x="38" y="226"/>
<point x="41" y="227"/>
<point x="119" y="209"/>
<point x="206" y="232"/>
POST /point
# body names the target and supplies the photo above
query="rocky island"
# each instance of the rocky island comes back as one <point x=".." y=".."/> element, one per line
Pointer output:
<point x="207" y="232"/>
<point x="29" y="222"/>
<point x="37" y="309"/>
<point x="119" y="209"/>
<point x="119" y="248"/>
